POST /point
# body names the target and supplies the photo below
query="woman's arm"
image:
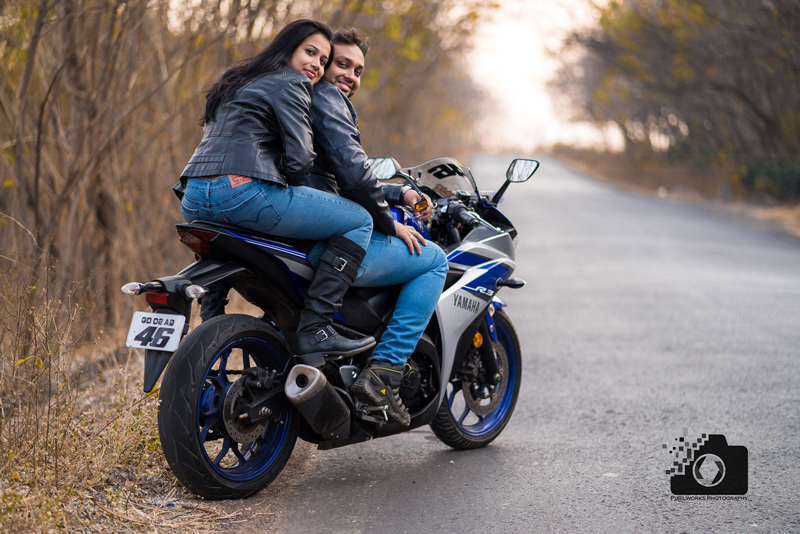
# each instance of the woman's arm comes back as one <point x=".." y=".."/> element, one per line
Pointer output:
<point x="292" y="112"/>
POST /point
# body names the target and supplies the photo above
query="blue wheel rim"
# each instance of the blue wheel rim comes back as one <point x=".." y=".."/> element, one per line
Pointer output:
<point x="228" y="458"/>
<point x="487" y="423"/>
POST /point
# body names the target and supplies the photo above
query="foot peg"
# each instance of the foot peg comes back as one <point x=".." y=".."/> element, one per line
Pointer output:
<point x="365" y="412"/>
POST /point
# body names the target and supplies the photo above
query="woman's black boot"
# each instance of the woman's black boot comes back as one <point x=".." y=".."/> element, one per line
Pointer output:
<point x="316" y="338"/>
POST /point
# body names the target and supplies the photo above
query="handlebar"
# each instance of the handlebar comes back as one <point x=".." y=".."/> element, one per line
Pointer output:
<point x="462" y="215"/>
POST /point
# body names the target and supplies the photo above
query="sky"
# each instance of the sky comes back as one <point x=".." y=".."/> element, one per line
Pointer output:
<point x="510" y="61"/>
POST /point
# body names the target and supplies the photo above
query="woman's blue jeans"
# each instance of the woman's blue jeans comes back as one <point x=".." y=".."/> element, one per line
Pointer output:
<point x="299" y="212"/>
<point x="388" y="262"/>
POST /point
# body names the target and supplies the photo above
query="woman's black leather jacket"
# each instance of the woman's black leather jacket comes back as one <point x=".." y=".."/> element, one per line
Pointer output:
<point x="263" y="132"/>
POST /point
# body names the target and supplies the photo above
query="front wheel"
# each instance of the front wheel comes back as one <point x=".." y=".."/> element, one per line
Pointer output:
<point x="213" y="454"/>
<point x="473" y="414"/>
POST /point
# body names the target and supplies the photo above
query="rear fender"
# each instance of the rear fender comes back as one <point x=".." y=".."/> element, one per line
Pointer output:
<point x="201" y="273"/>
<point x="205" y="272"/>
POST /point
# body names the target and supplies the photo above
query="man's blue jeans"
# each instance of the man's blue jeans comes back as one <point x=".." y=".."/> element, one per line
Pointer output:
<point x="388" y="262"/>
<point x="299" y="212"/>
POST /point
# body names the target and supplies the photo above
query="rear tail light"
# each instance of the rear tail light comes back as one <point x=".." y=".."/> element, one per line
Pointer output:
<point x="157" y="298"/>
<point x="197" y="240"/>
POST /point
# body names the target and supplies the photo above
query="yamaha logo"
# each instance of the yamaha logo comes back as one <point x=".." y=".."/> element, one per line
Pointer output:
<point x="466" y="303"/>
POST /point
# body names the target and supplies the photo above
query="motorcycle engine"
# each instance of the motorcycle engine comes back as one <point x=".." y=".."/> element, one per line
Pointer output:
<point x="417" y="386"/>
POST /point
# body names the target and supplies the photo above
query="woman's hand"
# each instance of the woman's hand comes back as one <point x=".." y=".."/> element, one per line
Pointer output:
<point x="412" y="238"/>
<point x="412" y="197"/>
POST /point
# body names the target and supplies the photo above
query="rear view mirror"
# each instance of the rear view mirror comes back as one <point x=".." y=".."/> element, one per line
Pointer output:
<point x="521" y="169"/>
<point x="384" y="168"/>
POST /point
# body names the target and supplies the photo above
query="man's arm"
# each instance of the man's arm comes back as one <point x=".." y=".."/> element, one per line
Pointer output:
<point x="337" y="136"/>
<point x="392" y="194"/>
<point x="395" y="197"/>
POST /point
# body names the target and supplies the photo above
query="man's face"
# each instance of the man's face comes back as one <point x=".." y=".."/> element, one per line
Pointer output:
<point x="346" y="69"/>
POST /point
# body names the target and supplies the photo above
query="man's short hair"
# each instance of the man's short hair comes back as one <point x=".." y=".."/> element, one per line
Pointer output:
<point x="351" y="36"/>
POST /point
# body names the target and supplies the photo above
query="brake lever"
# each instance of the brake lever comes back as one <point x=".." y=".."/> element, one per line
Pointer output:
<point x="422" y="205"/>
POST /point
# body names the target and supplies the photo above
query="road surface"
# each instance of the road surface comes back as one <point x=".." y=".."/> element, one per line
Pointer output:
<point x="641" y="318"/>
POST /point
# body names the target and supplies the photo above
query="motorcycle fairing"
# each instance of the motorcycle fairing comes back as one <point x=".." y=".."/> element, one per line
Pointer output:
<point x="464" y="302"/>
<point x="488" y="243"/>
<point x="293" y="262"/>
<point x="498" y="303"/>
<point x="484" y="286"/>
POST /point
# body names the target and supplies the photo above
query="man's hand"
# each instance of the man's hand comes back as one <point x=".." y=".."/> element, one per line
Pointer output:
<point x="412" y="197"/>
<point x="412" y="238"/>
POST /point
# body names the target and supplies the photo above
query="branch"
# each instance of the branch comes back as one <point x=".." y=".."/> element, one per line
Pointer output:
<point x="26" y="80"/>
<point x="73" y="178"/>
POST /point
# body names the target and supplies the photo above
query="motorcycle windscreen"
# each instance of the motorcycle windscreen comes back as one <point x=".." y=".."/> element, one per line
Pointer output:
<point x="444" y="176"/>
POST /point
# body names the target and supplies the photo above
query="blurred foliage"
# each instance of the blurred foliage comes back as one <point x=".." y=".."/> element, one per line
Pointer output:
<point x="710" y="81"/>
<point x="778" y="178"/>
<point x="99" y="102"/>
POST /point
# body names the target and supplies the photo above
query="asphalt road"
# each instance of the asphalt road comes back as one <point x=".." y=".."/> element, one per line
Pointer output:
<point x="641" y="318"/>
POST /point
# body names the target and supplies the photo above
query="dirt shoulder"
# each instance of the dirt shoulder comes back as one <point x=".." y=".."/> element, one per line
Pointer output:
<point x="712" y="187"/>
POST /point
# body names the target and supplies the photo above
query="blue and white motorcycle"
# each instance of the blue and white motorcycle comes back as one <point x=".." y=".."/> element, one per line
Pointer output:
<point x="235" y="398"/>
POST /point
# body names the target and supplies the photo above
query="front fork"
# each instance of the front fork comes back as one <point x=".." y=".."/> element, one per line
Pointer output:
<point x="486" y="351"/>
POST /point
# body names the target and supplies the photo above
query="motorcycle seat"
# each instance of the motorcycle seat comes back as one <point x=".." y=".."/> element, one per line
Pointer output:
<point x="303" y="245"/>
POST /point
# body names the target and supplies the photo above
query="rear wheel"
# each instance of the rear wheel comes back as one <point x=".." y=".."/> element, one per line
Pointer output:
<point x="213" y="454"/>
<point x="474" y="412"/>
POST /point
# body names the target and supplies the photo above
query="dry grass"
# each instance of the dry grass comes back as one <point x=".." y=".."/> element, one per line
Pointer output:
<point x="650" y="173"/>
<point x="789" y="216"/>
<point x="79" y="440"/>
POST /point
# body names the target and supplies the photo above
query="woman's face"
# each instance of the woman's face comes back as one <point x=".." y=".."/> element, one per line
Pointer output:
<point x="310" y="57"/>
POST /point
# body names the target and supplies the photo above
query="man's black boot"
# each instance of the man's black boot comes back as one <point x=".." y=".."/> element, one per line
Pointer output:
<point x="379" y="385"/>
<point x="338" y="268"/>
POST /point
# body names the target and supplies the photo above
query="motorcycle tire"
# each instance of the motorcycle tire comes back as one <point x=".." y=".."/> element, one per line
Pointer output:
<point x="453" y="428"/>
<point x="195" y="437"/>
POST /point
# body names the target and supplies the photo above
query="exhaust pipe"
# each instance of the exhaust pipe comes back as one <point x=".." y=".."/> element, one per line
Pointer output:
<point x="317" y="401"/>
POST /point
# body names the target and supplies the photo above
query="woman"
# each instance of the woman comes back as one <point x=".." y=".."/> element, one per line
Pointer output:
<point x="257" y="145"/>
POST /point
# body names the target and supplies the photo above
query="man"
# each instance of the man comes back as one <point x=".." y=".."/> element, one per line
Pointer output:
<point x="396" y="254"/>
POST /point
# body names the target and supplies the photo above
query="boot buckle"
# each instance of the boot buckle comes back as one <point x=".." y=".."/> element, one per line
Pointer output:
<point x="321" y="336"/>
<point x="340" y="266"/>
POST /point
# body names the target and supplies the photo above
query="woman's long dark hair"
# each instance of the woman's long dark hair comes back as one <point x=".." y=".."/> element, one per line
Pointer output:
<point x="272" y="59"/>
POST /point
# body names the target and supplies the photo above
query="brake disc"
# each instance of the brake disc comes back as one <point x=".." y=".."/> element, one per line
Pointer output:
<point x="240" y="430"/>
<point x="474" y="392"/>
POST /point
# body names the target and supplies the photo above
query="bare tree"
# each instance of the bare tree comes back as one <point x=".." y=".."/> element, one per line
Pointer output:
<point x="99" y="103"/>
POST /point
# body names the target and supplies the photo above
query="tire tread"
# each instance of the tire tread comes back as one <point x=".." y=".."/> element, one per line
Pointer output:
<point x="176" y="415"/>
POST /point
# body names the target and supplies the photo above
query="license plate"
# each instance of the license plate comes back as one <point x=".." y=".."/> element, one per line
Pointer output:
<point x="155" y="331"/>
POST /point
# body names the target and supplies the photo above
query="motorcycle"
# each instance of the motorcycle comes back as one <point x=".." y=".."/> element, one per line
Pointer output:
<point x="234" y="396"/>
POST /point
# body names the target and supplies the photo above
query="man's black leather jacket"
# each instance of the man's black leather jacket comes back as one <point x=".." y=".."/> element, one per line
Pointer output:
<point x="263" y="132"/>
<point x="341" y="164"/>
